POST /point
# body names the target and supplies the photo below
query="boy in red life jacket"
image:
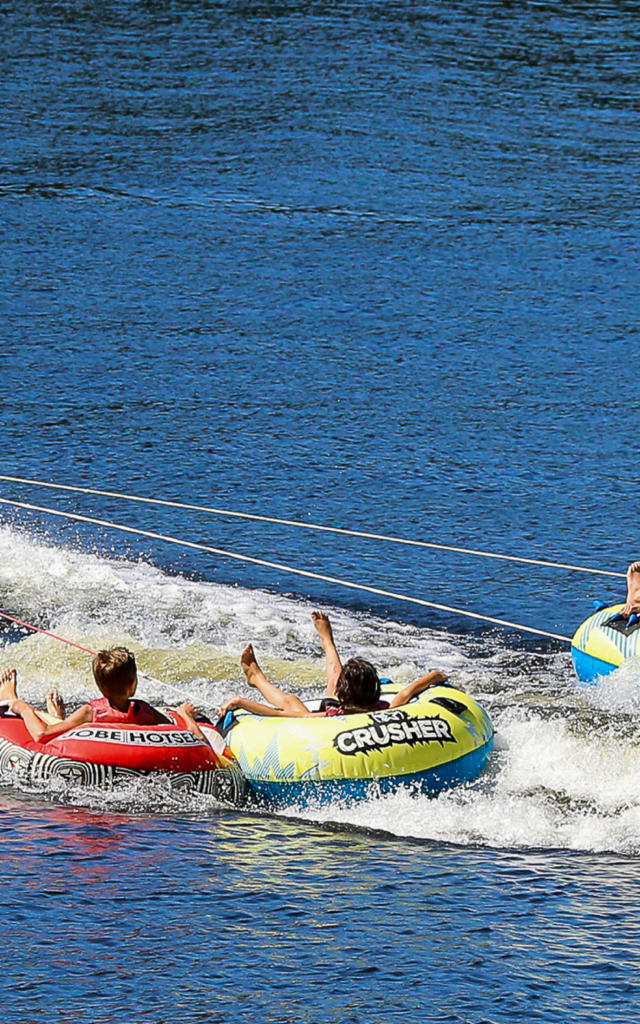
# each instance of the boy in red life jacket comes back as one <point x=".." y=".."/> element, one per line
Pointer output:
<point x="116" y="676"/>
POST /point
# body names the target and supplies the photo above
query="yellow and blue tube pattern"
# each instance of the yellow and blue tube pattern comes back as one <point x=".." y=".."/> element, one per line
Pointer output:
<point x="598" y="648"/>
<point x="441" y="739"/>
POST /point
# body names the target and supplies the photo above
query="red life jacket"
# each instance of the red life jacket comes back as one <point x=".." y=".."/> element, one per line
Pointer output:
<point x="138" y="713"/>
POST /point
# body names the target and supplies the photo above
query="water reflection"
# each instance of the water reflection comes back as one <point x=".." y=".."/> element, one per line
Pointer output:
<point x="243" y="896"/>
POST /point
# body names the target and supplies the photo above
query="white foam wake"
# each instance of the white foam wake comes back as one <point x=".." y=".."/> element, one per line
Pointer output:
<point x="567" y="760"/>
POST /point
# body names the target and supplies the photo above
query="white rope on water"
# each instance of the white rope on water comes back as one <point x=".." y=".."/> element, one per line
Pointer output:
<point x="312" y="526"/>
<point x="280" y="567"/>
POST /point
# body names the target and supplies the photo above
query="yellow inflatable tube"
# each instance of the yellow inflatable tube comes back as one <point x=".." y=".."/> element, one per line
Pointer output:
<point x="440" y="739"/>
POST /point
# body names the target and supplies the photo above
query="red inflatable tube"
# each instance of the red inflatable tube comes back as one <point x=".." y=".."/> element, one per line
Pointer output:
<point x="101" y="753"/>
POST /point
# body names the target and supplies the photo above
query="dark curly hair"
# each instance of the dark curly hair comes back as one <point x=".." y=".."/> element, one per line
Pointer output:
<point x="358" y="686"/>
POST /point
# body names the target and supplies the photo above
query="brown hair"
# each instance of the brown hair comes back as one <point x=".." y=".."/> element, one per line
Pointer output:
<point x="114" y="670"/>
<point x="358" y="685"/>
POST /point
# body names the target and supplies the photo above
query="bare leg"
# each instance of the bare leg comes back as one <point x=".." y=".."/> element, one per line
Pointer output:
<point x="9" y="694"/>
<point x="256" y="677"/>
<point x="333" y="665"/>
<point x="55" y="705"/>
<point x="632" y="603"/>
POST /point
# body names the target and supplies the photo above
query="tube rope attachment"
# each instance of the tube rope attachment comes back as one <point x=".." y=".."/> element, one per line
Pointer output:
<point x="55" y="636"/>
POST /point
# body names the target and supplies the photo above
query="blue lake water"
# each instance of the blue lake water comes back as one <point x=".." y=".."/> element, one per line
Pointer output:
<point x="372" y="266"/>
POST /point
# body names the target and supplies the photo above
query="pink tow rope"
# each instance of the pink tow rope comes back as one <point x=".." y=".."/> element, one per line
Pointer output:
<point x="46" y="632"/>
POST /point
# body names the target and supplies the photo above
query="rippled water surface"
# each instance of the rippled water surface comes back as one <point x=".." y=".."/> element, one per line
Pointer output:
<point x="244" y="918"/>
<point x="362" y="265"/>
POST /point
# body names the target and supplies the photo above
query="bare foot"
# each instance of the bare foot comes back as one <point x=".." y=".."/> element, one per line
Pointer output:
<point x="322" y="624"/>
<point x="249" y="664"/>
<point x="8" y="686"/>
<point x="55" y="705"/>
<point x="632" y="603"/>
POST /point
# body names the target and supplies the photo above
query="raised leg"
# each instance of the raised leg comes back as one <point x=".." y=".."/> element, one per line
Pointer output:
<point x="9" y="694"/>
<point x="255" y="677"/>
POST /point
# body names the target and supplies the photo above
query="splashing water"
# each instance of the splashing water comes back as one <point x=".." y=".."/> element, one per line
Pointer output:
<point x="566" y="762"/>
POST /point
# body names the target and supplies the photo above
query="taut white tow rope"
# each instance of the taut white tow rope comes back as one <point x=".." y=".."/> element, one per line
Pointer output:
<point x="312" y="526"/>
<point x="280" y="566"/>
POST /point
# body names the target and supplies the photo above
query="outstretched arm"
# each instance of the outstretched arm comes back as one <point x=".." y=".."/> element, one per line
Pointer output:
<point x="413" y="689"/>
<point x="40" y="730"/>
<point x="333" y="665"/>
<point x="294" y="709"/>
